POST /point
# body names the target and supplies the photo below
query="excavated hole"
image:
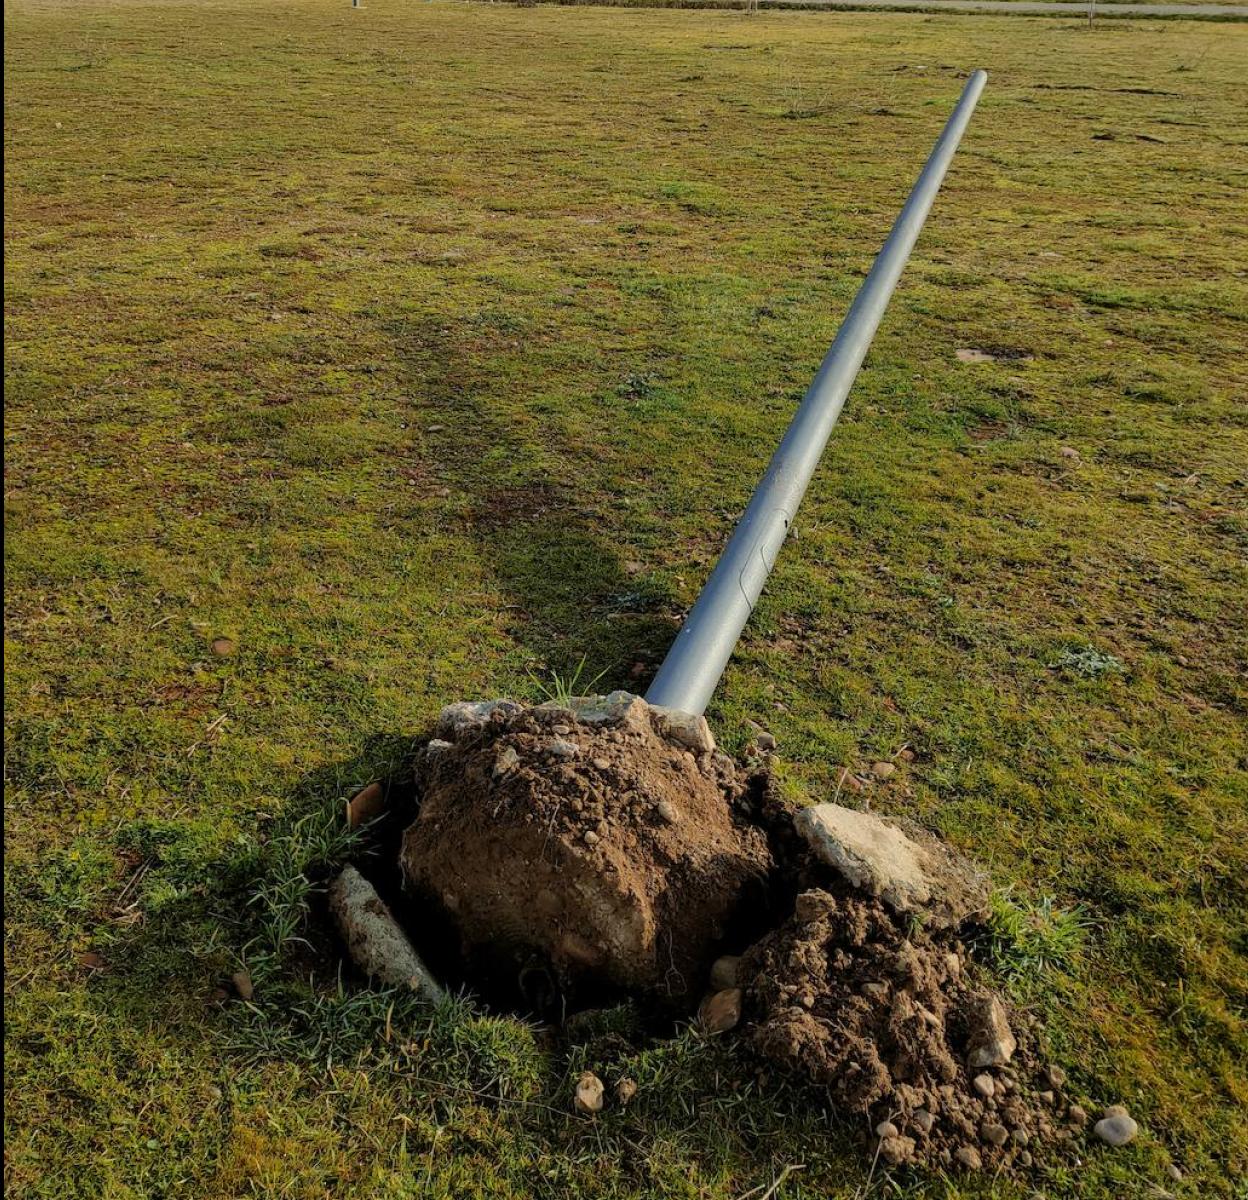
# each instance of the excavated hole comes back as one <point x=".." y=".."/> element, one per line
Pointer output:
<point x="558" y="859"/>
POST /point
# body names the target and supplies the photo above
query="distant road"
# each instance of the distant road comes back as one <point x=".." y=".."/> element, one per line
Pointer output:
<point x="1040" y="8"/>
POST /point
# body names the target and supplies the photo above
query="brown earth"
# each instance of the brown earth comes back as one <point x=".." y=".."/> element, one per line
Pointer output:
<point x="880" y="1012"/>
<point x="601" y="845"/>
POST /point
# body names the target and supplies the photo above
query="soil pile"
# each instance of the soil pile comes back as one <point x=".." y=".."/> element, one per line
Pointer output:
<point x="596" y="840"/>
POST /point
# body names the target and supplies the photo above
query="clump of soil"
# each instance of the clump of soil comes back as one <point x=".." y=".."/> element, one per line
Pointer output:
<point x="879" y="1010"/>
<point x="600" y="843"/>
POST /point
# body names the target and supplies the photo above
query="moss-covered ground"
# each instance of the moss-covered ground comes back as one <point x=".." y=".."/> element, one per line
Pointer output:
<point x="421" y="349"/>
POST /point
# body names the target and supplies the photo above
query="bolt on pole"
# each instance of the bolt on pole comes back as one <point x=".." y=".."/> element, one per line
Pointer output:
<point x="694" y="664"/>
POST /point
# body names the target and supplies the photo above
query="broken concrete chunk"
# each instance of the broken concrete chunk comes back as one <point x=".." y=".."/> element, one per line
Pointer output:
<point x="464" y="716"/>
<point x="909" y="871"/>
<point x="991" y="1042"/>
<point x="686" y="729"/>
<point x="870" y="853"/>
<point x="376" y="943"/>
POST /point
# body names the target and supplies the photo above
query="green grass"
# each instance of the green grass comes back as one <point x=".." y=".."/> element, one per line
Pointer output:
<point x="424" y="349"/>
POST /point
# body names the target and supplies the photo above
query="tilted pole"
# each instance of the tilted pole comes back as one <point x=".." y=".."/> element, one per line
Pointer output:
<point x="701" y="650"/>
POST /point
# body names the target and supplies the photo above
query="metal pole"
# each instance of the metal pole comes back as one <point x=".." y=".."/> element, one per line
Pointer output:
<point x="701" y="650"/>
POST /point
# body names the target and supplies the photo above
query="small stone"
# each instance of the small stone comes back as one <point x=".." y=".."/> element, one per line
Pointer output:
<point x="507" y="761"/>
<point x="589" y="1093"/>
<point x="968" y="1156"/>
<point x="561" y="730"/>
<point x="886" y="1129"/>
<point x="994" y="1134"/>
<point x="1025" y="1159"/>
<point x="91" y="960"/>
<point x="766" y="742"/>
<point x="724" y="972"/>
<point x="1069" y="452"/>
<point x="601" y="764"/>
<point x="991" y="1041"/>
<point x="1047" y="1097"/>
<point x="985" y="1085"/>
<point x="1174" y="1173"/>
<point x="720" y="1011"/>
<point x="1116" y="1110"/>
<point x="625" y="1090"/>
<point x="924" y="1121"/>
<point x="1054" y="1076"/>
<point x="366" y="805"/>
<point x="223" y="647"/>
<point x="1020" y="1137"/>
<point x="667" y="810"/>
<point x="242" y="985"/>
<point x="591" y="838"/>
<point x="1077" y="1115"/>
<point x="847" y="781"/>
<point x="562" y="749"/>
<point x="877" y="991"/>
<point x="1116" y="1130"/>
<point x="883" y="770"/>
<point x="686" y="729"/>
<point x="897" y="1150"/>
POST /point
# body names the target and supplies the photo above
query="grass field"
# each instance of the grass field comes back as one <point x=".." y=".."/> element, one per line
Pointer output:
<point x="423" y="348"/>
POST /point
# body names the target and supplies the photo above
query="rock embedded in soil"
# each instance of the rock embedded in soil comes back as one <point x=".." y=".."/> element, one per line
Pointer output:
<point x="721" y="1011"/>
<point x="724" y="972"/>
<point x="910" y="871"/>
<point x="377" y="944"/>
<point x="992" y="1042"/>
<point x="625" y="1091"/>
<point x="618" y="860"/>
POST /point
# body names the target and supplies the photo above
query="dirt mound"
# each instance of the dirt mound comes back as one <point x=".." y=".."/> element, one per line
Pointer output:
<point x="877" y="1009"/>
<point x="595" y="841"/>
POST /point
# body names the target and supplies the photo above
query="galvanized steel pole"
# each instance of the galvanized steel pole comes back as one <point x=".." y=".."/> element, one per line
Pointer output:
<point x="701" y="650"/>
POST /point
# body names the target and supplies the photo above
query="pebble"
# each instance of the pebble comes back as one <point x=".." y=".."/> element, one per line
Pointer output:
<point x="625" y="1090"/>
<point x="562" y="749"/>
<point x="1024" y="1159"/>
<point x="1116" y="1128"/>
<point x="1021" y="1137"/>
<point x="1054" y="1076"/>
<point x="886" y="1129"/>
<point x="720" y="1011"/>
<point x="877" y="991"/>
<point x="223" y="647"/>
<point x="765" y="742"/>
<point x="991" y="1043"/>
<point x="589" y="1093"/>
<point x="601" y="764"/>
<point x="591" y="837"/>
<point x="243" y="985"/>
<point x="1077" y="1115"/>
<point x="883" y="770"/>
<point x="667" y="810"/>
<point x="923" y="1121"/>
<point x="506" y="762"/>
<point x="1069" y="452"/>
<point x="985" y="1085"/>
<point x="994" y="1134"/>
<point x="1174" y="1173"/>
<point x="1047" y="1097"/>
<point x="968" y="1156"/>
<point x="724" y="972"/>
